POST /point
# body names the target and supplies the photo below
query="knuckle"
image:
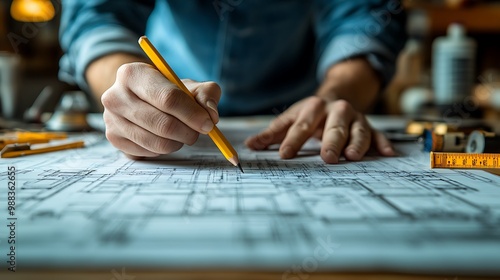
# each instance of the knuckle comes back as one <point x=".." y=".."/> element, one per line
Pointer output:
<point x="343" y="106"/>
<point x="126" y="71"/>
<point x="164" y="146"/>
<point x="265" y="137"/>
<point x="317" y="102"/>
<point x="166" y="126"/>
<point x="108" y="99"/>
<point x="303" y="127"/>
<point x="138" y="116"/>
<point x="112" y="138"/>
<point x="135" y="136"/>
<point x="361" y="130"/>
<point x="279" y="123"/>
<point x="160" y="145"/>
<point x="168" y="97"/>
<point x="212" y="87"/>
<point x="338" y="130"/>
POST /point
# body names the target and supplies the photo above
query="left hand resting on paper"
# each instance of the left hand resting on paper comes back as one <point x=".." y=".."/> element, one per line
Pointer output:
<point x="332" y="115"/>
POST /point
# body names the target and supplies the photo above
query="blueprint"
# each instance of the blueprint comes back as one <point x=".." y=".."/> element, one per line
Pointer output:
<point x="93" y="207"/>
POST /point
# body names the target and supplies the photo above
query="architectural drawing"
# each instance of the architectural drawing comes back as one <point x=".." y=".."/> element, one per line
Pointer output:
<point x="93" y="207"/>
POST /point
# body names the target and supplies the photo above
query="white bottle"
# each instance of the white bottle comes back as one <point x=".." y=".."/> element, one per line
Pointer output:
<point x="453" y="63"/>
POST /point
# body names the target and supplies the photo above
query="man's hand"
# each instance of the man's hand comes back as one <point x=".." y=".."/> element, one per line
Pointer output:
<point x="146" y="115"/>
<point x="342" y="129"/>
<point x="332" y="115"/>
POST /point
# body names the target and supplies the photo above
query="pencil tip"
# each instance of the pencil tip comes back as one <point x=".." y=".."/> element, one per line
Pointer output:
<point x="239" y="165"/>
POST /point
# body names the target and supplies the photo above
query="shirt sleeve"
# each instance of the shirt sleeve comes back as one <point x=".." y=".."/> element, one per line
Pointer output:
<point x="93" y="28"/>
<point x="345" y="29"/>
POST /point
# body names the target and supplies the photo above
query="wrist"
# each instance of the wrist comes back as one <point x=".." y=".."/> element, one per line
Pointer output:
<point x="353" y="80"/>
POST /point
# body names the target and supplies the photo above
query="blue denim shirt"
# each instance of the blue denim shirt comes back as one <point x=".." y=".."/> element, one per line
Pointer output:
<point x="265" y="54"/>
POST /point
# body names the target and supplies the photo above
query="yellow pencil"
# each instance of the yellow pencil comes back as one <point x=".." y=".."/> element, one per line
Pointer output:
<point x="17" y="150"/>
<point x="216" y="135"/>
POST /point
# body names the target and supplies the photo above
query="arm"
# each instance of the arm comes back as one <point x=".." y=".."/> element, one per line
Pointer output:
<point x="353" y="80"/>
<point x="92" y="30"/>
<point x="145" y="114"/>
<point x="354" y="64"/>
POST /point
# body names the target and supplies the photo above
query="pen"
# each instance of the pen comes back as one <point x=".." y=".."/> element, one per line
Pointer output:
<point x="162" y="66"/>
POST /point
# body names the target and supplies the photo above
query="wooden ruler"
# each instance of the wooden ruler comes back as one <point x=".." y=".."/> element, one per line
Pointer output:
<point x="464" y="160"/>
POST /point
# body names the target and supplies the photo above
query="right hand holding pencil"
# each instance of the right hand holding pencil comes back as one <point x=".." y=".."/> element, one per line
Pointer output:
<point x="146" y="115"/>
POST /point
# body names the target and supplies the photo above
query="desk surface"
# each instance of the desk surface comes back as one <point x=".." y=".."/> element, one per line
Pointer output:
<point x="92" y="209"/>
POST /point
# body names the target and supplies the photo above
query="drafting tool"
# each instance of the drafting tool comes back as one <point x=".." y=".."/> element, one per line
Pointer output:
<point x="41" y="134"/>
<point x="20" y="137"/>
<point x="216" y="135"/>
<point x="17" y="150"/>
<point x="464" y="160"/>
<point x="449" y="142"/>
<point x="417" y="127"/>
<point x="482" y="142"/>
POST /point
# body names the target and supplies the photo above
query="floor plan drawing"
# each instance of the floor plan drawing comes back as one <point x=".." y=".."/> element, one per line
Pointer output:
<point x="95" y="207"/>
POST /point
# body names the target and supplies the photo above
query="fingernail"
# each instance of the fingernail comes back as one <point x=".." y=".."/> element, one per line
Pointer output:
<point x="287" y="152"/>
<point x="212" y="105"/>
<point x="207" y="126"/>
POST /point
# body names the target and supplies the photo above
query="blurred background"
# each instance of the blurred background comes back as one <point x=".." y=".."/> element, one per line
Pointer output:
<point x="29" y="54"/>
<point x="449" y="67"/>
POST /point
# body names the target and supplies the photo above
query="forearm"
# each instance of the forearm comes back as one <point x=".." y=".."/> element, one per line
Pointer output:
<point x="353" y="80"/>
<point x="101" y="73"/>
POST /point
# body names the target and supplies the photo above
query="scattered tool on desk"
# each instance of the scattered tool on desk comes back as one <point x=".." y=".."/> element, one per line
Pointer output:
<point x="478" y="141"/>
<point x="459" y="147"/>
<point x="21" y="143"/>
<point x="17" y="150"/>
<point x="70" y="114"/>
<point x="464" y="160"/>
<point x="418" y="127"/>
<point x="482" y="142"/>
<point x="21" y="137"/>
<point x="449" y="142"/>
<point x="216" y="135"/>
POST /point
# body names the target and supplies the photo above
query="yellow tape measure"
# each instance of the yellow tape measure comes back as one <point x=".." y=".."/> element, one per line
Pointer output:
<point x="464" y="160"/>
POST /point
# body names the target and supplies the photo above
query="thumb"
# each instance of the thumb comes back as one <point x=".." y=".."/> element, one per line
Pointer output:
<point x="207" y="94"/>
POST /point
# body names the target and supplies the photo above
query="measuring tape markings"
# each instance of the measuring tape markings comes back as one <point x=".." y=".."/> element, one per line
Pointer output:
<point x="464" y="160"/>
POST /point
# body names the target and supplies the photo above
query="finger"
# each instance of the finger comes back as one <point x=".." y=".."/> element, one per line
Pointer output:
<point x="359" y="139"/>
<point x="130" y="149"/>
<point x="336" y="131"/>
<point x="120" y="127"/>
<point x="152" y="87"/>
<point x="207" y="94"/>
<point x="159" y="123"/>
<point x="318" y="134"/>
<point x="383" y="145"/>
<point x="306" y="123"/>
<point x="273" y="134"/>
